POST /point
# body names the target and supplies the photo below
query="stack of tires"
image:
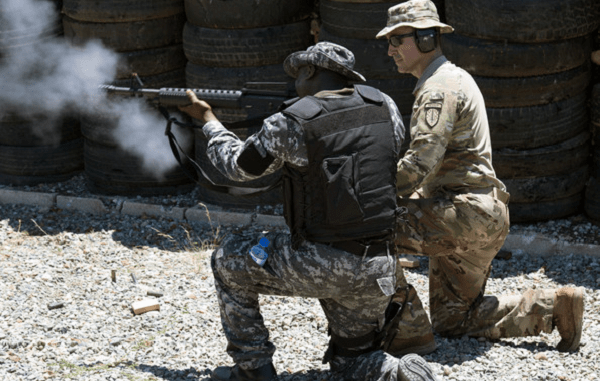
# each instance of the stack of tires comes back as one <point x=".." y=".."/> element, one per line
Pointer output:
<point x="111" y="169"/>
<point x="531" y="61"/>
<point x="147" y="36"/>
<point x="592" y="192"/>
<point x="229" y="43"/>
<point x="35" y="149"/>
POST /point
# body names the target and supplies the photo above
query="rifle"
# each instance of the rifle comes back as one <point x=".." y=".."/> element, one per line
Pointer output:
<point x="259" y="99"/>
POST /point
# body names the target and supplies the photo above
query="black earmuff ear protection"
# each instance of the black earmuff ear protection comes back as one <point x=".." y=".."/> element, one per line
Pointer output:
<point x="426" y="39"/>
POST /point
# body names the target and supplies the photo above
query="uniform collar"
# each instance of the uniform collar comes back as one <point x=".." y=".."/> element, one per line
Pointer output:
<point x="335" y="93"/>
<point x="433" y="66"/>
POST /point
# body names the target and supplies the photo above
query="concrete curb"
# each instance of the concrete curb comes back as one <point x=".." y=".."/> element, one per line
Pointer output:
<point x="131" y="208"/>
<point x="536" y="244"/>
<point x="87" y="205"/>
<point x="46" y="200"/>
<point x="533" y="244"/>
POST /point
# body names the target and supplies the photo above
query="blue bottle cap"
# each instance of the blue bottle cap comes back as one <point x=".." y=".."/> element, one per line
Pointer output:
<point x="264" y="242"/>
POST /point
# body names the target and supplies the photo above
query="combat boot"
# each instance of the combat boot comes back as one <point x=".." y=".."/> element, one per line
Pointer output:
<point x="413" y="367"/>
<point x="235" y="373"/>
<point x="414" y="331"/>
<point x="567" y="317"/>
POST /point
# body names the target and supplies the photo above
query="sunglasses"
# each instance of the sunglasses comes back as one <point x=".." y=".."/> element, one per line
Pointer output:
<point x="396" y="41"/>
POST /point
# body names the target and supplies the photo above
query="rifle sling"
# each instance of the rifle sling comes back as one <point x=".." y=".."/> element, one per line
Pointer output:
<point x="211" y="185"/>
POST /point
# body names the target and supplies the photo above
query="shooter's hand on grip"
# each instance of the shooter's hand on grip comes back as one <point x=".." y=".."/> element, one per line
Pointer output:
<point x="199" y="109"/>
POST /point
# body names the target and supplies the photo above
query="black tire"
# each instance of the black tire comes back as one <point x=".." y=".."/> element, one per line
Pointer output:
<point x="440" y="5"/>
<point x="489" y="58"/>
<point x="225" y="199"/>
<point x="231" y="78"/>
<point x="150" y="62"/>
<point x="244" y="47"/>
<point x="244" y="14"/>
<point x="16" y="40"/>
<point x="110" y="170"/>
<point x="523" y="21"/>
<point x="537" y="126"/>
<point x="596" y="163"/>
<point x="355" y="20"/>
<point x="595" y="104"/>
<point x="19" y="180"/>
<point x="592" y="199"/>
<point x="532" y="91"/>
<point x="175" y="78"/>
<point x="58" y="160"/>
<point x="399" y="89"/>
<point x="371" y="56"/>
<point x="18" y="131"/>
<point x="121" y="10"/>
<point x="545" y="210"/>
<point x="99" y="128"/>
<point x="543" y="161"/>
<point x="127" y="36"/>
<point x="546" y="188"/>
<point x="596" y="135"/>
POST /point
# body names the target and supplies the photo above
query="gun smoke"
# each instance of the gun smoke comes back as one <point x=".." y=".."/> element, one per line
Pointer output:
<point x="44" y="78"/>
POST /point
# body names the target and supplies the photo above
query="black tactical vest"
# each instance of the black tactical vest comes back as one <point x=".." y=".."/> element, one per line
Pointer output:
<point x="348" y="190"/>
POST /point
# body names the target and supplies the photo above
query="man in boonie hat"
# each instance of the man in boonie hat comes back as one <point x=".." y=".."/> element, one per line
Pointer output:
<point x="337" y="146"/>
<point x="457" y="207"/>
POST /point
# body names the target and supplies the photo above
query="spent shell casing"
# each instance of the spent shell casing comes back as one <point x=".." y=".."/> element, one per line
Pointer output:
<point x="53" y="306"/>
<point x="157" y="293"/>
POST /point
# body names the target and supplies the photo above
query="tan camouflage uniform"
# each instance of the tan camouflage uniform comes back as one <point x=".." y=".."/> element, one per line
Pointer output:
<point x="461" y="218"/>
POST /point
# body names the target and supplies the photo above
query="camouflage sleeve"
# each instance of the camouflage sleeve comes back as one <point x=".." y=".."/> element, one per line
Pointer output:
<point x="283" y="138"/>
<point x="432" y="122"/>
<point x="274" y="138"/>
<point x="399" y="129"/>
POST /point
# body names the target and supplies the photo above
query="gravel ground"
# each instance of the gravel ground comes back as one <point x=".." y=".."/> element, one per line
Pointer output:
<point x="54" y="256"/>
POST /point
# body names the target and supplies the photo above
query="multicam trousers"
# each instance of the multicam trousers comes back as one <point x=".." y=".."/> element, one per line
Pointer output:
<point x="354" y="293"/>
<point x="461" y="234"/>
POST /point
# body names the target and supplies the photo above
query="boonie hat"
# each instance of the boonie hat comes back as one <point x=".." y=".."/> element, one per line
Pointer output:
<point x="418" y="14"/>
<point x="327" y="55"/>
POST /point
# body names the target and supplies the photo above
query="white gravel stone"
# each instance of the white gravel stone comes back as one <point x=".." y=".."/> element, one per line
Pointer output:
<point x="53" y="255"/>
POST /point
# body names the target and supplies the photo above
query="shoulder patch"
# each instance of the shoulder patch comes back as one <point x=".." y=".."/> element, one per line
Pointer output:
<point x="433" y="108"/>
<point x="432" y="113"/>
<point x="305" y="108"/>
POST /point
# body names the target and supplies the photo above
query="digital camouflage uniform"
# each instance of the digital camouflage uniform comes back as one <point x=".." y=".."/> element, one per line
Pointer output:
<point x="354" y="291"/>
<point x="461" y="218"/>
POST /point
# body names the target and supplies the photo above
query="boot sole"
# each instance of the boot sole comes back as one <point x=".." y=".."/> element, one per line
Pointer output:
<point x="413" y="367"/>
<point x="577" y="319"/>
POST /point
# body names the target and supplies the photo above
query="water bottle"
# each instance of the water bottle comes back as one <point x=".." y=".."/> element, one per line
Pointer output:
<point x="258" y="253"/>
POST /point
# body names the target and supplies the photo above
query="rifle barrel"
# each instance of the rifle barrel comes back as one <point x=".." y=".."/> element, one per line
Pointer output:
<point x="170" y="97"/>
